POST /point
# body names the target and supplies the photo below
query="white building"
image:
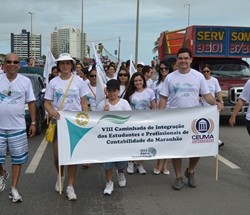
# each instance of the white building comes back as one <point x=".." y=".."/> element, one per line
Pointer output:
<point x="26" y="45"/>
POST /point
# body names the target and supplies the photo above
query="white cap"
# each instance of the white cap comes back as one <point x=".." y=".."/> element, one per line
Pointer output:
<point x="141" y="63"/>
<point x="65" y="56"/>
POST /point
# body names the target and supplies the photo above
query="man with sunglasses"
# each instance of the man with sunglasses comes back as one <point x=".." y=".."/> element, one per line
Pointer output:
<point x="15" y="91"/>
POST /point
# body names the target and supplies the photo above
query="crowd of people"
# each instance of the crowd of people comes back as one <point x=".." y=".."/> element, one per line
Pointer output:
<point x="72" y="87"/>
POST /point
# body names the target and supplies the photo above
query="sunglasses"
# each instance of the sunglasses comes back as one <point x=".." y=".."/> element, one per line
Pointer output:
<point x="125" y="75"/>
<point x="92" y="76"/>
<point x="162" y="68"/>
<point x="205" y="71"/>
<point x="12" y="61"/>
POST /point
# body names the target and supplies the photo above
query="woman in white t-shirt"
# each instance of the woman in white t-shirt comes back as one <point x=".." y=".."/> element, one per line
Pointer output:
<point x="75" y="100"/>
<point x="140" y="97"/>
<point x="91" y="96"/>
<point x="163" y="71"/>
<point x="214" y="88"/>
<point x="123" y="77"/>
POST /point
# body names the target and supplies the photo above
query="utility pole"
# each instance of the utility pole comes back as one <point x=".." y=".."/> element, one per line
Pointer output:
<point x="82" y="36"/>
<point x="188" y="5"/>
<point x="119" y="49"/>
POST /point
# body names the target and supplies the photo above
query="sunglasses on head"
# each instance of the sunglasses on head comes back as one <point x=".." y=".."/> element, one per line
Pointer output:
<point x="12" y="61"/>
<point x="125" y="75"/>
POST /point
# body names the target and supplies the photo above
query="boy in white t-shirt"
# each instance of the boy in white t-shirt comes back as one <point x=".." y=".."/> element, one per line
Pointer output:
<point x="114" y="103"/>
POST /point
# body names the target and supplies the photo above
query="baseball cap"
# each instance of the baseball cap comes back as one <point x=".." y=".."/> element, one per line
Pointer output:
<point x="65" y="56"/>
<point x="113" y="84"/>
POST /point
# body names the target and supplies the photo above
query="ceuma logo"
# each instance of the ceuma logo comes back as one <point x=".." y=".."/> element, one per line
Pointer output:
<point x="202" y="128"/>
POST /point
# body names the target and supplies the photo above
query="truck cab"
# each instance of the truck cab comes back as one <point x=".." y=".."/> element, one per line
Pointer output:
<point x="223" y="48"/>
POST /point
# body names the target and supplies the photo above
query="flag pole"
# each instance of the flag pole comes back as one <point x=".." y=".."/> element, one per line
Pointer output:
<point x="216" y="168"/>
<point x="60" y="179"/>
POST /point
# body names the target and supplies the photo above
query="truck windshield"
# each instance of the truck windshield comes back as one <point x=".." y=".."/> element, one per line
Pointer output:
<point x="232" y="69"/>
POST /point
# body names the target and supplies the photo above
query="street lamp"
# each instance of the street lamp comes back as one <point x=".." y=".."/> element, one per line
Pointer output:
<point x="30" y="45"/>
<point x="137" y="32"/>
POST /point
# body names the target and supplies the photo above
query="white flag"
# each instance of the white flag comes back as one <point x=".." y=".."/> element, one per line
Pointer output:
<point x="118" y="68"/>
<point x="132" y="69"/>
<point x="49" y="63"/>
<point x="101" y="78"/>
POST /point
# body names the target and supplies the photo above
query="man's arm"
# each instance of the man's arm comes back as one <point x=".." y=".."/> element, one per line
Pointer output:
<point x="240" y="103"/>
<point x="32" y="110"/>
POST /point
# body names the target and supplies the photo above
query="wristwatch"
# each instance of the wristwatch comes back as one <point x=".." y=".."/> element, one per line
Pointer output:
<point x="33" y="123"/>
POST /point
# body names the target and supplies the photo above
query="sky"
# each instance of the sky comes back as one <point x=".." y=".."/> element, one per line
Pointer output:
<point x="105" y="21"/>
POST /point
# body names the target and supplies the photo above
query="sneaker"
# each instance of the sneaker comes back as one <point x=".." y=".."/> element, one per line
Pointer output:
<point x="221" y="144"/>
<point x="3" y="179"/>
<point x="141" y="169"/>
<point x="178" y="184"/>
<point x="70" y="193"/>
<point x="130" y="168"/>
<point x="121" y="179"/>
<point x="14" y="195"/>
<point x="57" y="183"/>
<point x="190" y="177"/>
<point x="109" y="188"/>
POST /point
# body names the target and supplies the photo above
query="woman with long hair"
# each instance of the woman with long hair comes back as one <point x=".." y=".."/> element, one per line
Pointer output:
<point x="140" y="97"/>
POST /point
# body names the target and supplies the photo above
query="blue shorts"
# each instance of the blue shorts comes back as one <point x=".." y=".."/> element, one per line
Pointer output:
<point x="118" y="165"/>
<point x="17" y="142"/>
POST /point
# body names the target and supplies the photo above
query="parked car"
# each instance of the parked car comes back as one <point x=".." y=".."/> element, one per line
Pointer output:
<point x="39" y="92"/>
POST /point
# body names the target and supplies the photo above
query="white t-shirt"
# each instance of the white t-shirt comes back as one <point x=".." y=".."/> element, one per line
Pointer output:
<point x="91" y="97"/>
<point x="142" y="100"/>
<point x="122" y="91"/>
<point x="121" y="105"/>
<point x="184" y="89"/>
<point x="214" y="87"/>
<point x="56" y="89"/>
<point x="149" y="83"/>
<point x="245" y="95"/>
<point x="12" y="108"/>
<point x="157" y="89"/>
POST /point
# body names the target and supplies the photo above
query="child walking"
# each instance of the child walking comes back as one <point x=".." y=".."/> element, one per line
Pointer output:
<point x="114" y="103"/>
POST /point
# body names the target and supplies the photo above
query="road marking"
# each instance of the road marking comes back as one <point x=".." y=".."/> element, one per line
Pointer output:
<point x="37" y="157"/>
<point x="228" y="163"/>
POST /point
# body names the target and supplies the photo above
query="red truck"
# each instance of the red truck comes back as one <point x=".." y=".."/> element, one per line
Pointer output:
<point x="223" y="47"/>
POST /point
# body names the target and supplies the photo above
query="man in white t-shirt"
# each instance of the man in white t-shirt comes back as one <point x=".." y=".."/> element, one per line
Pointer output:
<point x="184" y="86"/>
<point x="15" y="91"/>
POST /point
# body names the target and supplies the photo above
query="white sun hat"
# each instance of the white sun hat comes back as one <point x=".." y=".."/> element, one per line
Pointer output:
<point x="141" y="63"/>
<point x="65" y="56"/>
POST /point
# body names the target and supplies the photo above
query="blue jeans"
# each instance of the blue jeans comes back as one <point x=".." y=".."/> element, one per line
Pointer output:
<point x="119" y="165"/>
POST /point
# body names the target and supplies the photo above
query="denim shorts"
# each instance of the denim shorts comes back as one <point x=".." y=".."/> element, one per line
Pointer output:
<point x="17" y="142"/>
<point x="118" y="165"/>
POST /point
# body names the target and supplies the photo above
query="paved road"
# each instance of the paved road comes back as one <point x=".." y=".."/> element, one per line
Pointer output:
<point x="144" y="194"/>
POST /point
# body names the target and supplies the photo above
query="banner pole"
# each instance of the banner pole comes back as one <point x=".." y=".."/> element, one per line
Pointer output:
<point x="60" y="179"/>
<point x="216" y="168"/>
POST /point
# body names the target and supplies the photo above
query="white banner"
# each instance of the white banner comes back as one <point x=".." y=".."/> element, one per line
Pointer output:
<point x="97" y="137"/>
